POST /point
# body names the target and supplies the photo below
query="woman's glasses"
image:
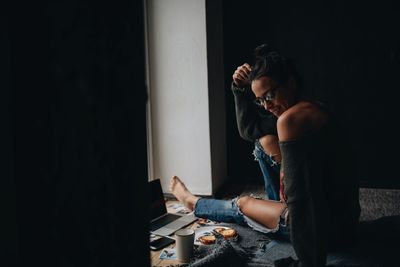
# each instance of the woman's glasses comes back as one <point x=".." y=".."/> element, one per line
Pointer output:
<point x="268" y="97"/>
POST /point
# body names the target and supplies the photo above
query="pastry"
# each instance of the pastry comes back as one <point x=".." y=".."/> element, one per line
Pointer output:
<point x="228" y="233"/>
<point x="207" y="239"/>
<point x="210" y="238"/>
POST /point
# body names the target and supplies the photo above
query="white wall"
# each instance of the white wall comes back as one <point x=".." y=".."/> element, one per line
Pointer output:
<point x="178" y="85"/>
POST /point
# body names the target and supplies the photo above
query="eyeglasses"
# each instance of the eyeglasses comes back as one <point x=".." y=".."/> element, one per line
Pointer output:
<point x="268" y="97"/>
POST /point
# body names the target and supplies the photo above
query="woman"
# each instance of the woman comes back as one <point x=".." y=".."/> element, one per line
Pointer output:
<point x="318" y="183"/>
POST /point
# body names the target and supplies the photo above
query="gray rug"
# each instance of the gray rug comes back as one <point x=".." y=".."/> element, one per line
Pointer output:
<point x="377" y="203"/>
<point x="250" y="248"/>
<point x="377" y="245"/>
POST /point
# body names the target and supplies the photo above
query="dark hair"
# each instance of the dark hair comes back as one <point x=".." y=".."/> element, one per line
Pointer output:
<point x="270" y="63"/>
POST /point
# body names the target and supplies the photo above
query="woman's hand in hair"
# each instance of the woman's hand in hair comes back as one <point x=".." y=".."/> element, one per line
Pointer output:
<point x="241" y="75"/>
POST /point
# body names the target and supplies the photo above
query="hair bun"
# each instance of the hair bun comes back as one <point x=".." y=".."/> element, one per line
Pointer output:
<point x="265" y="52"/>
<point x="261" y="51"/>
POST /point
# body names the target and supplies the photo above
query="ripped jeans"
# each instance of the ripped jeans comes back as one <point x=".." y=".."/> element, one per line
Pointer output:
<point x="270" y="170"/>
<point x="229" y="212"/>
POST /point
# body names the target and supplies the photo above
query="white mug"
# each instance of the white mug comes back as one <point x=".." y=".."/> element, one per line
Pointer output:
<point x="184" y="240"/>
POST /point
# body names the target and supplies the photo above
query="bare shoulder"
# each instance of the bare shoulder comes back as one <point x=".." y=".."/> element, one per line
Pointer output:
<point x="299" y="120"/>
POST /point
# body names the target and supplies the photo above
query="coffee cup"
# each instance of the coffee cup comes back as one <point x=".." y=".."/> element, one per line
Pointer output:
<point x="184" y="240"/>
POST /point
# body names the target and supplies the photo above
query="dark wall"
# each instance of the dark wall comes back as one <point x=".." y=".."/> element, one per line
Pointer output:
<point x="349" y="57"/>
<point x="78" y="172"/>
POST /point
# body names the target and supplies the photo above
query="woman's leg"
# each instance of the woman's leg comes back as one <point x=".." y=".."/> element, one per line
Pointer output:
<point x="270" y="144"/>
<point x="179" y="190"/>
<point x="265" y="212"/>
<point x="268" y="155"/>
<point x="208" y="208"/>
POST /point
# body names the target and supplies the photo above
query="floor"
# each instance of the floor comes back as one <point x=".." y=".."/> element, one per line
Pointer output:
<point x="375" y="203"/>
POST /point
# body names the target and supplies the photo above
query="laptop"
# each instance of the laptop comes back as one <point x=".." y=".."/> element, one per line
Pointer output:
<point x="162" y="222"/>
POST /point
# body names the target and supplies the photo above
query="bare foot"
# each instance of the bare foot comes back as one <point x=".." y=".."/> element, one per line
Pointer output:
<point x="178" y="188"/>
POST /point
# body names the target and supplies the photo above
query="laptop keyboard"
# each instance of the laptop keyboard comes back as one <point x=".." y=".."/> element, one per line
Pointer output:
<point x="163" y="221"/>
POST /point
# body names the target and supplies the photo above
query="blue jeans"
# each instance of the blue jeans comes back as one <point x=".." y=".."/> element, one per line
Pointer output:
<point x="270" y="170"/>
<point x="229" y="212"/>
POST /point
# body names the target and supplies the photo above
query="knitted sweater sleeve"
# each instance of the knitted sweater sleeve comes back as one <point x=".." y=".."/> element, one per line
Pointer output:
<point x="252" y="122"/>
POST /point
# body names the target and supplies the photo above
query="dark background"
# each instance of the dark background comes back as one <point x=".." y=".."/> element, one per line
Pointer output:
<point x="74" y="87"/>
<point x="348" y="53"/>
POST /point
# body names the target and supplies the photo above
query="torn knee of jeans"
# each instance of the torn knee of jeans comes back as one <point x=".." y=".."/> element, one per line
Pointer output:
<point x="235" y="202"/>
<point x="255" y="155"/>
<point x="258" y="151"/>
<point x="242" y="201"/>
<point x="273" y="161"/>
<point x="270" y="158"/>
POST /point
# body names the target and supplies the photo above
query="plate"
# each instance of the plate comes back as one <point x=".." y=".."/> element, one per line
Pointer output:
<point x="204" y="230"/>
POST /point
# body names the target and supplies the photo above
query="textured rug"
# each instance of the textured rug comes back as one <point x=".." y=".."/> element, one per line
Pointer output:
<point x="377" y="203"/>
<point x="378" y="241"/>
<point x="250" y="248"/>
<point x="377" y="245"/>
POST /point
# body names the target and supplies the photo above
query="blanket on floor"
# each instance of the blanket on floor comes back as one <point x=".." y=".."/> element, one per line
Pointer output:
<point x="378" y="245"/>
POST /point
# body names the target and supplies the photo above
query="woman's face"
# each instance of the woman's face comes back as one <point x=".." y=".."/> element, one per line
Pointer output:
<point x="271" y="96"/>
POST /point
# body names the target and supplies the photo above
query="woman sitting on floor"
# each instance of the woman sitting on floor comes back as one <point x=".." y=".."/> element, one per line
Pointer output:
<point x="319" y="186"/>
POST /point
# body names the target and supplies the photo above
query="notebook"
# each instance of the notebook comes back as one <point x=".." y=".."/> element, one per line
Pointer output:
<point x="162" y="222"/>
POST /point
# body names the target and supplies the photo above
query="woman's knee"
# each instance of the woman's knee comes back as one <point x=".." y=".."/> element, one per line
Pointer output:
<point x="243" y="202"/>
<point x="270" y="144"/>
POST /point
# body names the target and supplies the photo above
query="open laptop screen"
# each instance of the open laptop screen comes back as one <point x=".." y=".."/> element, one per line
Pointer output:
<point x="157" y="202"/>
